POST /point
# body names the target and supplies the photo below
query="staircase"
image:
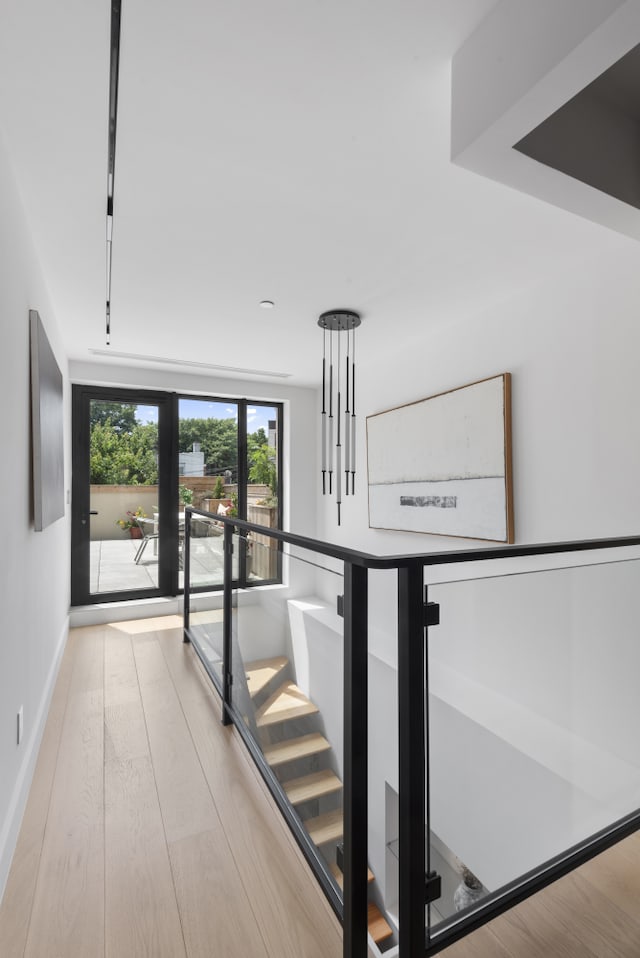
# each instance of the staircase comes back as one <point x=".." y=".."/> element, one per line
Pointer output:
<point x="284" y="718"/>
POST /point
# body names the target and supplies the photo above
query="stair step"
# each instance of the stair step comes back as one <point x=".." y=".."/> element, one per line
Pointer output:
<point x="325" y="828"/>
<point x="293" y="748"/>
<point x="379" y="927"/>
<point x="287" y="702"/>
<point x="260" y="673"/>
<point x="336" y="871"/>
<point x="312" y="786"/>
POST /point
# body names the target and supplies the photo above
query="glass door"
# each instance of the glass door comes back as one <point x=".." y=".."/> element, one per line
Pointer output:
<point x="125" y="535"/>
<point x="207" y="479"/>
<point x="140" y="457"/>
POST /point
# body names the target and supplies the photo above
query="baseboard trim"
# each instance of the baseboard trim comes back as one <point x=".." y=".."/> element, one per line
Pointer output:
<point x="18" y="803"/>
<point x="104" y="612"/>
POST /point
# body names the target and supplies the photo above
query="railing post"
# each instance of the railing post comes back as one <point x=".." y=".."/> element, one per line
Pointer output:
<point x="227" y="675"/>
<point x="411" y="760"/>
<point x="186" y="565"/>
<point x="355" y="807"/>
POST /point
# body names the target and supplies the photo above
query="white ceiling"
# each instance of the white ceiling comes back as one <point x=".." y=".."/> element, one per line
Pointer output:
<point x="292" y="150"/>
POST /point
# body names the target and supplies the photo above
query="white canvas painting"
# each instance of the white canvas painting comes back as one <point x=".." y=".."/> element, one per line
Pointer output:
<point x="442" y="465"/>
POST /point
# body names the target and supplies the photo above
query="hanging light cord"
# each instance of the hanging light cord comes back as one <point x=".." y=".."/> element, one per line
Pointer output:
<point x="324" y="411"/>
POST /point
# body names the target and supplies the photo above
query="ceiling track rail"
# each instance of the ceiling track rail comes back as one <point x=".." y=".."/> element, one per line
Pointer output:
<point x="114" y="77"/>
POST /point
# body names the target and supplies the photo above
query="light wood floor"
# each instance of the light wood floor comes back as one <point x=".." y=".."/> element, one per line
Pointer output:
<point x="149" y="833"/>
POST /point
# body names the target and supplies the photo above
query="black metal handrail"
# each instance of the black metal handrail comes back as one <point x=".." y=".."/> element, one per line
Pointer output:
<point x="414" y="618"/>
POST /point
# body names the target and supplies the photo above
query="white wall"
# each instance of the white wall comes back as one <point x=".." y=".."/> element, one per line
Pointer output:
<point x="572" y="344"/>
<point x="34" y="566"/>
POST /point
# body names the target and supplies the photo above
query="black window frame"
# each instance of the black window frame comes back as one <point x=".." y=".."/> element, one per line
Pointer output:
<point x="168" y="480"/>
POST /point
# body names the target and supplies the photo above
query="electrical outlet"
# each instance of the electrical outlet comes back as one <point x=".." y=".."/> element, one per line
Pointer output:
<point x="20" y="728"/>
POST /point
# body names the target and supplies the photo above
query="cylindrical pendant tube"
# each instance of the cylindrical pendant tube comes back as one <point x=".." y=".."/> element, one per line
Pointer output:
<point x="330" y="444"/>
<point x="352" y="459"/>
<point x="324" y="451"/>
<point x="331" y="373"/>
<point x="339" y="474"/>
<point x="347" y="449"/>
<point x="324" y="441"/>
<point x="348" y="391"/>
<point x="353" y="453"/>
<point x="324" y="384"/>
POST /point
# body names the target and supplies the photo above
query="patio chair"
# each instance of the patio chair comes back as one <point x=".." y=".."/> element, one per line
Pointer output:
<point x="149" y="531"/>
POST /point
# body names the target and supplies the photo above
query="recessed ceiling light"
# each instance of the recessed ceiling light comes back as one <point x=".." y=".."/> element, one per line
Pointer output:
<point x="267" y="304"/>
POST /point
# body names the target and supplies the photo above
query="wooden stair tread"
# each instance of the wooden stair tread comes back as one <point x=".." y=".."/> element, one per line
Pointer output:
<point x="260" y="673"/>
<point x="325" y="828"/>
<point x="286" y="703"/>
<point x="293" y="748"/>
<point x="379" y="927"/>
<point x="336" y="871"/>
<point x="311" y="786"/>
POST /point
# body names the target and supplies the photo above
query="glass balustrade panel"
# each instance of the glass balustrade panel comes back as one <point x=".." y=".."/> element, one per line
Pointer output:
<point x="533" y="714"/>
<point x="287" y="691"/>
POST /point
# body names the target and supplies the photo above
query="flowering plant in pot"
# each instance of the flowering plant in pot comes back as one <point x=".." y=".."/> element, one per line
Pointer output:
<point x="130" y="522"/>
<point x="186" y="496"/>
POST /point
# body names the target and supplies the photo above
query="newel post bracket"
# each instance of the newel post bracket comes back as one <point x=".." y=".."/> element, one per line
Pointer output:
<point x="431" y="613"/>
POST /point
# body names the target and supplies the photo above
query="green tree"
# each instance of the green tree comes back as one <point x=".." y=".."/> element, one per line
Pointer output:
<point x="121" y="415"/>
<point x="256" y="439"/>
<point x="123" y="458"/>
<point x="263" y="467"/>
<point x="218" y="440"/>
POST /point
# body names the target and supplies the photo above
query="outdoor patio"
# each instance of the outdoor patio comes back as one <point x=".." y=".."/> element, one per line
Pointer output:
<point x="113" y="567"/>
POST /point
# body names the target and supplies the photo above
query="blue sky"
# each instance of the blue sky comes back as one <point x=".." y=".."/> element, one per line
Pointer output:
<point x="204" y="408"/>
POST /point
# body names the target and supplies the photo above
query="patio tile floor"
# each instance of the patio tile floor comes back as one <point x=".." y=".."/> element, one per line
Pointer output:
<point x="113" y="569"/>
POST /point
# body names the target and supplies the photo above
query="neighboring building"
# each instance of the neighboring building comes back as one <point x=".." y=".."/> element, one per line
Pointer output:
<point x="191" y="463"/>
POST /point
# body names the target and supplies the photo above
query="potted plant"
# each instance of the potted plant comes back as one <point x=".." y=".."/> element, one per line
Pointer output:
<point x="186" y="496"/>
<point x="212" y="499"/>
<point x="218" y="489"/>
<point x="469" y="891"/>
<point x="130" y="522"/>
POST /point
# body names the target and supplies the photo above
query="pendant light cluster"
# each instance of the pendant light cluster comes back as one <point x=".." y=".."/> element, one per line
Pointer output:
<point x="338" y="401"/>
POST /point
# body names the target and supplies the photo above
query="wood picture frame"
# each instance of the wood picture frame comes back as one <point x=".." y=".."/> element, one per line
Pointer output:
<point x="442" y="465"/>
<point x="47" y="428"/>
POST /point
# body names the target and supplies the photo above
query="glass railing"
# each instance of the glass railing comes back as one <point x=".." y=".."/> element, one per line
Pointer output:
<point x="532" y="717"/>
<point x="444" y="734"/>
<point x="287" y="695"/>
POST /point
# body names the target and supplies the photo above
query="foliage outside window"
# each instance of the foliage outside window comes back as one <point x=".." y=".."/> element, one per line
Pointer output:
<point x="263" y="468"/>
<point x="123" y="450"/>
<point x="186" y="495"/>
<point x="218" y="439"/>
<point x="120" y="456"/>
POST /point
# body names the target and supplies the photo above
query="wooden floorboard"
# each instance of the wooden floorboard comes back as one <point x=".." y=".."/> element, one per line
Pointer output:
<point x="68" y="907"/>
<point x="292" y="914"/>
<point x="15" y="912"/>
<point x="214" y="903"/>
<point x="185" y="799"/>
<point x="148" y="832"/>
<point x="141" y="911"/>
<point x="142" y="915"/>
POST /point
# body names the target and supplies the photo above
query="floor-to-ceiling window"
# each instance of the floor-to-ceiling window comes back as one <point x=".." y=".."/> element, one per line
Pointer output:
<point x="138" y="458"/>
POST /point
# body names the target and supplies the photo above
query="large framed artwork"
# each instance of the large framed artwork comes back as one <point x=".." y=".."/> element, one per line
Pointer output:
<point x="47" y="427"/>
<point x="442" y="465"/>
